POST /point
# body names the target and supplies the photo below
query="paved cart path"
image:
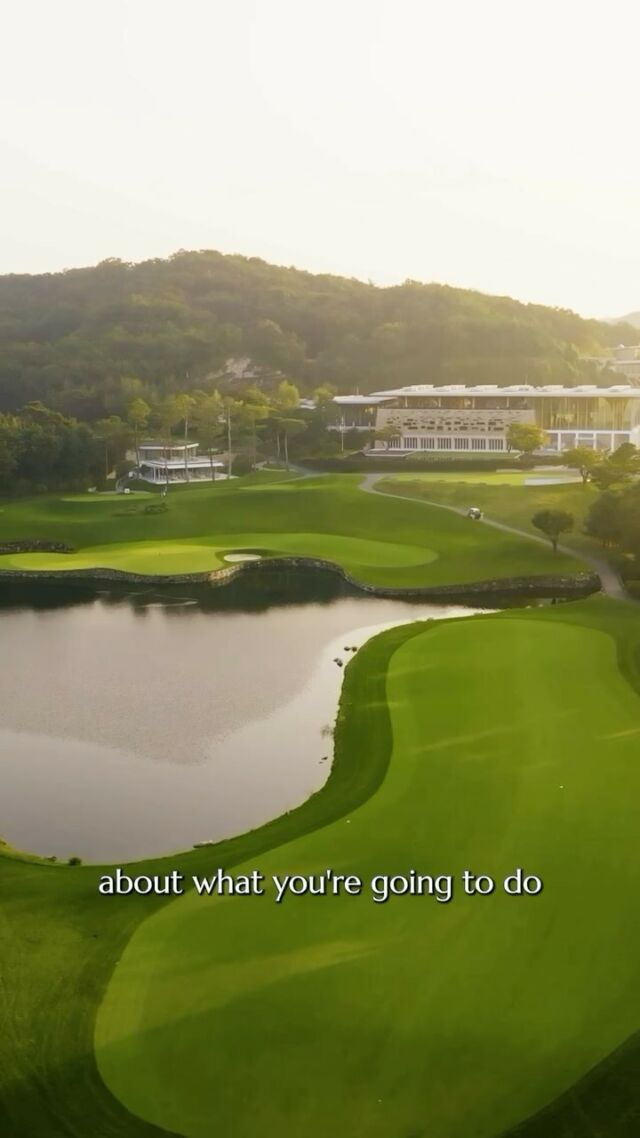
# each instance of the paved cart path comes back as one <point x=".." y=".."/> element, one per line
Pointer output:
<point x="611" y="583"/>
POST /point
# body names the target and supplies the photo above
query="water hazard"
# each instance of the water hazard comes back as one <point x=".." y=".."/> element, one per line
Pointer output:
<point x="139" y="723"/>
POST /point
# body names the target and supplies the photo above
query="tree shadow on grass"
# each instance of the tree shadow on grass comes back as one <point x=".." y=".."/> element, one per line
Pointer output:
<point x="603" y="1104"/>
<point x="69" y="1102"/>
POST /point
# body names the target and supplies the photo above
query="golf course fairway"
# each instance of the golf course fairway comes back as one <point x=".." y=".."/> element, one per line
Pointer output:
<point x="496" y="742"/>
<point x="377" y="539"/>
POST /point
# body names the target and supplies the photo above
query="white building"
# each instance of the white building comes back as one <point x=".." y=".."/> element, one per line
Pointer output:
<point x="179" y="462"/>
<point x="454" y="418"/>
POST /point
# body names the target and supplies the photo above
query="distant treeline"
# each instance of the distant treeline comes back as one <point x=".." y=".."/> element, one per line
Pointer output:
<point x="613" y="518"/>
<point x="88" y="341"/>
<point x="42" y="449"/>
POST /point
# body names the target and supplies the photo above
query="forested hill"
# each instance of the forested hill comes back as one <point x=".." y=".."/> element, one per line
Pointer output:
<point x="86" y="340"/>
<point x="632" y="318"/>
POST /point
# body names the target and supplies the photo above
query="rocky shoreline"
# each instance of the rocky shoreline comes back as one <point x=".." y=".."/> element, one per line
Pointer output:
<point x="561" y="585"/>
<point x="35" y="546"/>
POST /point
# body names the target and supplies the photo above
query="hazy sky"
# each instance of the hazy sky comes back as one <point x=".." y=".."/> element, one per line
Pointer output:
<point x="493" y="144"/>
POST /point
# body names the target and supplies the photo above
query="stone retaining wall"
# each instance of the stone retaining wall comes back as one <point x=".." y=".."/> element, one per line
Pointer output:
<point x="35" y="546"/>
<point x="578" y="585"/>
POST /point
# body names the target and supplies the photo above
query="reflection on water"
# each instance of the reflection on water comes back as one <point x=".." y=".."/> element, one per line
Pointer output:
<point x="135" y="723"/>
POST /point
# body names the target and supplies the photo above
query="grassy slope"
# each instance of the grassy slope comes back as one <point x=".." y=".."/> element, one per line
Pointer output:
<point x="341" y="1016"/>
<point x="378" y="540"/>
<point x="481" y="477"/>
<point x="507" y="501"/>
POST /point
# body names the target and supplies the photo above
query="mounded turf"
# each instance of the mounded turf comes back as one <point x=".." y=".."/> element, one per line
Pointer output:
<point x="378" y="540"/>
<point x="513" y="743"/>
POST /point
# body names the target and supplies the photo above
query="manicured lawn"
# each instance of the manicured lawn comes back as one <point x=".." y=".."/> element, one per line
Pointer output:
<point x="199" y="556"/>
<point x="377" y="539"/>
<point x="511" y="502"/>
<point x="485" y="744"/>
<point x="482" y="478"/>
<point x="514" y="743"/>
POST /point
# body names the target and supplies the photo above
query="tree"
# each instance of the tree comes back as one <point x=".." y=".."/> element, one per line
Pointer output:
<point x="9" y="449"/>
<point x="614" y="519"/>
<point x="626" y="458"/>
<point x="603" y="520"/>
<point x="287" y="396"/>
<point x="323" y="398"/>
<point x="208" y="413"/>
<point x="607" y="474"/>
<point x="138" y="413"/>
<point x="169" y="413"/>
<point x="114" y="433"/>
<point x="232" y="412"/>
<point x="525" y="437"/>
<point x="184" y="405"/>
<point x="324" y="393"/>
<point x="585" y="459"/>
<point x="553" y="523"/>
<point x="255" y="409"/>
<point x="272" y="424"/>
<point x="386" y="435"/>
<point x="291" y="428"/>
<point x="618" y="468"/>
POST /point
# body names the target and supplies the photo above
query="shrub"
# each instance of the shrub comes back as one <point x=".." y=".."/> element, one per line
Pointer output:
<point x="242" y="464"/>
<point x="74" y="860"/>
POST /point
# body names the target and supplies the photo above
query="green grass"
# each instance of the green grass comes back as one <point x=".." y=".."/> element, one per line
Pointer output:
<point x="511" y="502"/>
<point x="59" y="943"/>
<point x="476" y="477"/>
<point x="376" y="539"/>
<point x="342" y="1016"/>
<point x="238" y="1017"/>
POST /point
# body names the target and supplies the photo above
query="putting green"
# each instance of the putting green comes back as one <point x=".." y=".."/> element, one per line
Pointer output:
<point x="514" y="744"/>
<point x="202" y="556"/>
<point x="376" y="538"/>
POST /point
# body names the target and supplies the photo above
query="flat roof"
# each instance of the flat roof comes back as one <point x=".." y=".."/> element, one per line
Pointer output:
<point x="167" y="446"/>
<point x="360" y="400"/>
<point x="546" y="391"/>
<point x="178" y="463"/>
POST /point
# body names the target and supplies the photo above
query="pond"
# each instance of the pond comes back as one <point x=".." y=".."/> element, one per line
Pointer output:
<point x="139" y="723"/>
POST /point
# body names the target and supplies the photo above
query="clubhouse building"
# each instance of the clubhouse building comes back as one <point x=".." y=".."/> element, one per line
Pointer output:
<point x="456" y="419"/>
<point x="175" y="463"/>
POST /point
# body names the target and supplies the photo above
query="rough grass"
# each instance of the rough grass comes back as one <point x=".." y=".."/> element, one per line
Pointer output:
<point x="377" y="539"/>
<point x="511" y="502"/>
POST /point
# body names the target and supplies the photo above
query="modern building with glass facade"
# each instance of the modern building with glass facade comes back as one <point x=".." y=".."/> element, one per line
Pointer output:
<point x="176" y="462"/>
<point x="456" y="418"/>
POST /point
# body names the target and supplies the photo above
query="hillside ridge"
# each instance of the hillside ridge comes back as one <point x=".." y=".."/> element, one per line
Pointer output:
<point x="84" y="340"/>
